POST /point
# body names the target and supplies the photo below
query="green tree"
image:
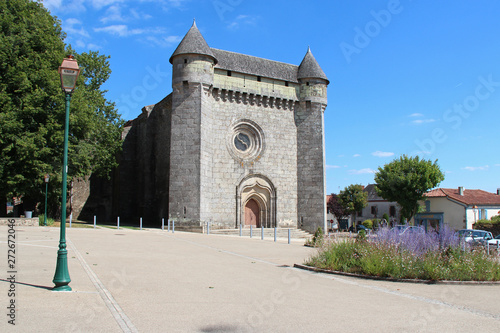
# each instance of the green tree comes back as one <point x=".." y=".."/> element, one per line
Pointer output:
<point x="32" y="107"/>
<point x="406" y="180"/>
<point x="353" y="199"/>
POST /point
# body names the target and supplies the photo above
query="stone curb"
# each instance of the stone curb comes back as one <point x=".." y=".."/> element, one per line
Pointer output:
<point x="368" y="277"/>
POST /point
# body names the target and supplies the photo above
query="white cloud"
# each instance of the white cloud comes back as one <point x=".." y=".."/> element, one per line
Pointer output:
<point x="361" y="171"/>
<point x="164" y="41"/>
<point x="98" y="4"/>
<point x="356" y="155"/>
<point x="65" y="6"/>
<point x="243" y="20"/>
<point x="480" y="168"/>
<point x="119" y="13"/>
<point x="332" y="166"/>
<point x="92" y="46"/>
<point x="379" y="153"/>
<point x="113" y="14"/>
<point x="416" y="115"/>
<point x="122" y="30"/>
<point x="73" y="26"/>
<point x="423" y="121"/>
<point x="52" y="4"/>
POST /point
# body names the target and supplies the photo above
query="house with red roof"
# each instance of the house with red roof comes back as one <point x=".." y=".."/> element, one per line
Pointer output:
<point x="458" y="208"/>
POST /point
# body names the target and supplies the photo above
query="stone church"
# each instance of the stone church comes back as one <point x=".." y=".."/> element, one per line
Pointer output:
<point x="240" y="140"/>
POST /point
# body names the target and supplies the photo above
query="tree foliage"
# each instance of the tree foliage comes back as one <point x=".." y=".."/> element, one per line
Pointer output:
<point x="335" y="207"/>
<point x="406" y="180"/>
<point x="32" y="108"/>
<point x="353" y="199"/>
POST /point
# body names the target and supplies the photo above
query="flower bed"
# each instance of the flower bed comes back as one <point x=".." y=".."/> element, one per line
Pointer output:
<point x="427" y="256"/>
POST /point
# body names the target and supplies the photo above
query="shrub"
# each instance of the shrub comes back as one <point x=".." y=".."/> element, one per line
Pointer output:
<point x="376" y="223"/>
<point x="361" y="236"/>
<point x="317" y="239"/>
<point x="385" y="217"/>
<point x="492" y="225"/>
<point x="368" y="224"/>
<point x="41" y="218"/>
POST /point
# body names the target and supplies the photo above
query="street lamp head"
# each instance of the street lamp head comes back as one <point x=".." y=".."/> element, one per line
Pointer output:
<point x="69" y="72"/>
<point x="47" y="177"/>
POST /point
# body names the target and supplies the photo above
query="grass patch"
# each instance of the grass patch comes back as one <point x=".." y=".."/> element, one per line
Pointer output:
<point x="41" y="221"/>
<point x="442" y="258"/>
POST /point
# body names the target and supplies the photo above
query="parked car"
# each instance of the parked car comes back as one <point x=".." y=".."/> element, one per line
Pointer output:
<point x="476" y="237"/>
<point x="360" y="227"/>
<point x="403" y="229"/>
<point x="495" y="241"/>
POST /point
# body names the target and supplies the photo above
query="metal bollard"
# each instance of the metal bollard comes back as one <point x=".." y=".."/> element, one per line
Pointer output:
<point x="275" y="234"/>
<point x="94" y="221"/>
<point x="118" y="223"/>
<point x="168" y="225"/>
<point x="208" y="228"/>
<point x="262" y="232"/>
<point x="251" y="230"/>
<point x="162" y="224"/>
<point x="240" y="229"/>
<point x="289" y="233"/>
<point x="173" y="226"/>
<point x="70" y="219"/>
<point x="140" y="224"/>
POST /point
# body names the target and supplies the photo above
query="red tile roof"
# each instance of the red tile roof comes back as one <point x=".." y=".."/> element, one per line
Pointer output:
<point x="470" y="197"/>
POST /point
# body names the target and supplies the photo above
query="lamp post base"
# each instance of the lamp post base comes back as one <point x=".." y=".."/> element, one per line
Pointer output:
<point x="61" y="276"/>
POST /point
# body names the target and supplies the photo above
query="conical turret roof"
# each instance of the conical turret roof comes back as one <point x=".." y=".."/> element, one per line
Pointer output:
<point x="309" y="68"/>
<point x="193" y="43"/>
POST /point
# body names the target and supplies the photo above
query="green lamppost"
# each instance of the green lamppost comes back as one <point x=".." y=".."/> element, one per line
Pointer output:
<point x="69" y="72"/>
<point x="46" y="179"/>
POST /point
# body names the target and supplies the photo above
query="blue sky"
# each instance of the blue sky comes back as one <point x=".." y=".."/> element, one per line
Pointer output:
<point x="406" y="77"/>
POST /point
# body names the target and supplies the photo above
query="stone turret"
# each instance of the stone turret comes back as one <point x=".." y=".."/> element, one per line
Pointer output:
<point x="192" y="60"/>
<point x="311" y="186"/>
<point x="190" y="166"/>
<point x="313" y="80"/>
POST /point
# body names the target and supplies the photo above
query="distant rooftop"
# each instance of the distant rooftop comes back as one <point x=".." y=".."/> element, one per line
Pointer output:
<point x="469" y="197"/>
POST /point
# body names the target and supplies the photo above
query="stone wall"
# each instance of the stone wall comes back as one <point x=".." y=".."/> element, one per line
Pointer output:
<point x="277" y="161"/>
<point x="20" y="222"/>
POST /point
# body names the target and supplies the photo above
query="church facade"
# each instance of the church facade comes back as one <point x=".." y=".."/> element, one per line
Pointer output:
<point x="239" y="141"/>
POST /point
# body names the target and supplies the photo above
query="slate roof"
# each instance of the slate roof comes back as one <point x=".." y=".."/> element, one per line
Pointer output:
<point x="470" y="197"/>
<point x="372" y="194"/>
<point x="243" y="63"/>
<point x="193" y="43"/>
<point x="309" y="68"/>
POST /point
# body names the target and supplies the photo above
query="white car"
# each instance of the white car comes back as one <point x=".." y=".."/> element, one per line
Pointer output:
<point x="495" y="241"/>
<point x="476" y="236"/>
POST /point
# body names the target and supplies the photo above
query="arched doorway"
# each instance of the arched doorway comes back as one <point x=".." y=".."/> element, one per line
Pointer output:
<point x="256" y="199"/>
<point x="252" y="214"/>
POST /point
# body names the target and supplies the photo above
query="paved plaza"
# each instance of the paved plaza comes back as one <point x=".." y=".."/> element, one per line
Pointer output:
<point x="155" y="281"/>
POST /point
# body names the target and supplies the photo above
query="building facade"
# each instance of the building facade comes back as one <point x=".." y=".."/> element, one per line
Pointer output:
<point x="239" y="141"/>
<point x="458" y="208"/>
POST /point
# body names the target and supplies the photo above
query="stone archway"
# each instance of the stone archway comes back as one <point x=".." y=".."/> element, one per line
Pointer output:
<point x="256" y="195"/>
<point x="252" y="214"/>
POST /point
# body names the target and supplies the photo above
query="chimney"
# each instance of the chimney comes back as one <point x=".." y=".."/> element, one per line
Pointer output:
<point x="460" y="190"/>
<point x="498" y="191"/>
